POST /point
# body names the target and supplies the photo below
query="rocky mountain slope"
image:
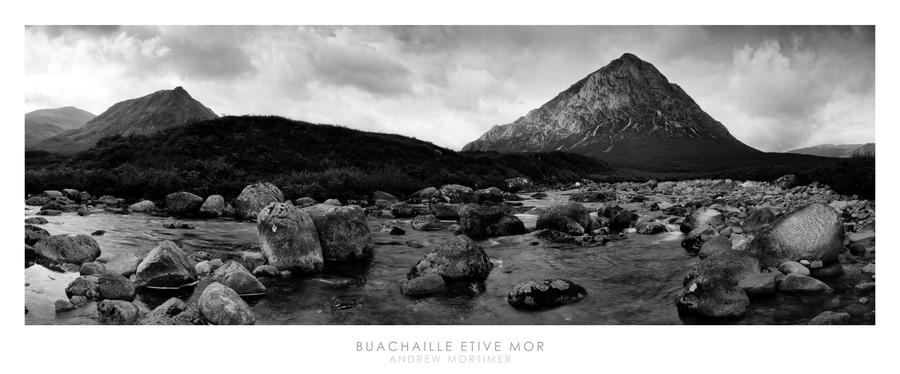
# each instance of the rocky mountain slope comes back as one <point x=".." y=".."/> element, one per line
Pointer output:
<point x="627" y="112"/>
<point x="44" y="123"/>
<point x="144" y="115"/>
<point x="837" y="150"/>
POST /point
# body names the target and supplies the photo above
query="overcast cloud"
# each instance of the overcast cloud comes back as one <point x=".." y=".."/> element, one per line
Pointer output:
<point x="774" y="88"/>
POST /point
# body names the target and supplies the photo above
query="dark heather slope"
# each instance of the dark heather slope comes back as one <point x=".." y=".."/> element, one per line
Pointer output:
<point x="223" y="155"/>
<point x="141" y="116"/>
<point x="44" y="123"/>
<point x="627" y="113"/>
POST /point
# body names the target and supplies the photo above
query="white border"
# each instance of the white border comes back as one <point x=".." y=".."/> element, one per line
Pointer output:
<point x="584" y="348"/>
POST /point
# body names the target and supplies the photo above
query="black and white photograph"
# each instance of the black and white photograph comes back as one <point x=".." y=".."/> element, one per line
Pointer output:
<point x="422" y="177"/>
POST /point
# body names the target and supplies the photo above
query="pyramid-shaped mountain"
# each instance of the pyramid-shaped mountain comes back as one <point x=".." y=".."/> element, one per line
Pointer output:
<point x="141" y="116"/>
<point x="627" y="113"/>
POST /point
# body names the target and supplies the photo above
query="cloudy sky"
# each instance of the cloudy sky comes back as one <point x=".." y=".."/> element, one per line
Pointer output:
<point x="775" y="88"/>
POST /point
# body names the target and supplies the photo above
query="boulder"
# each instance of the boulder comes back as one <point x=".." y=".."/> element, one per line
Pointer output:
<point x="759" y="219"/>
<point x="304" y="202"/>
<point x="52" y="194"/>
<point x="424" y="285"/>
<point x="33" y="234"/>
<point x="36" y="221"/>
<point x="266" y="271"/>
<point x="70" y="193"/>
<point x="489" y="195"/>
<point x="288" y="238"/>
<point x="702" y="217"/>
<point x="37" y="201"/>
<point x="50" y="212"/>
<point x="830" y="318"/>
<point x="118" y="312"/>
<point x="791" y="267"/>
<point x="803" y="284"/>
<point x="694" y="240"/>
<point x="482" y="221"/>
<point x="445" y="210"/>
<point x="183" y="203"/>
<point x="342" y="231"/>
<point x="124" y="263"/>
<point x="650" y="228"/>
<point x="333" y="202"/>
<point x="815" y="232"/>
<point x="456" y="259"/>
<point x="403" y="210"/>
<point x="220" y="305"/>
<point x="251" y="260"/>
<point x="547" y="293"/>
<point x="84" y="212"/>
<point x="566" y="217"/>
<point x="729" y="265"/>
<point x="518" y="184"/>
<point x="111" y="286"/>
<point x="427" y="223"/>
<point x="623" y="220"/>
<point x="785" y="181"/>
<point x="165" y="266"/>
<point x="714" y="245"/>
<point x="63" y="305"/>
<point x="381" y="195"/>
<point x="392" y="229"/>
<point x="235" y="276"/>
<point x="713" y="297"/>
<point x="759" y="284"/>
<point x="143" y="206"/>
<point x="423" y="195"/>
<point x="454" y="193"/>
<point x="75" y="249"/>
<point x="254" y="198"/>
<point x="84" y="197"/>
<point x="89" y="268"/>
<point x="214" y="206"/>
<point x="173" y="312"/>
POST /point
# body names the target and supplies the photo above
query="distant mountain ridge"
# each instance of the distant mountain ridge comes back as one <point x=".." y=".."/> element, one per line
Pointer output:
<point x="140" y="116"/>
<point x="838" y="150"/>
<point x="44" y="123"/>
<point x="626" y="112"/>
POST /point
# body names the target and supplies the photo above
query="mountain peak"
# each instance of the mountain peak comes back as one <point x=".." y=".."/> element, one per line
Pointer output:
<point x="139" y="116"/>
<point x="612" y="114"/>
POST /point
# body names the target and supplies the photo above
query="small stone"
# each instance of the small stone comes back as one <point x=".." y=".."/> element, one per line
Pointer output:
<point x="804" y="263"/>
<point x="863" y="300"/>
<point x="830" y="318"/>
<point x="203" y="268"/>
<point x="792" y="267"/>
<point x="864" y="287"/>
<point x="816" y="264"/>
<point x="869" y="269"/>
<point x="266" y="271"/>
<point x="63" y="306"/>
<point x="98" y="233"/>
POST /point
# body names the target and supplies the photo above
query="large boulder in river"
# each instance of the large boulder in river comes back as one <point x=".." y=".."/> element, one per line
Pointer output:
<point x="214" y="206"/>
<point x="33" y="234"/>
<point x="183" y="203"/>
<point x="566" y="217"/>
<point x="288" y="238"/>
<point x="454" y="193"/>
<point x="238" y="278"/>
<point x="143" y="206"/>
<point x="102" y="286"/>
<point x="166" y="266"/>
<point x="547" y="293"/>
<point x="254" y="198"/>
<point x="803" y="284"/>
<point x="815" y="232"/>
<point x="69" y="248"/>
<point x="220" y="305"/>
<point x="702" y="217"/>
<point x="482" y="221"/>
<point x="456" y="259"/>
<point x="342" y="231"/>
<point x="37" y="201"/>
<point x="623" y="220"/>
<point x="714" y="245"/>
<point x="713" y="297"/>
<point x="36" y="221"/>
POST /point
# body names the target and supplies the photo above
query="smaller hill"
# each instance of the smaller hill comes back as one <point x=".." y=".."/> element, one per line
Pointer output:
<point x="837" y="150"/>
<point x="44" y="123"/>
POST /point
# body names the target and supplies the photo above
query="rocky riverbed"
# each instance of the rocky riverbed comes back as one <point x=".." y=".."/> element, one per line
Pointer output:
<point x="697" y="251"/>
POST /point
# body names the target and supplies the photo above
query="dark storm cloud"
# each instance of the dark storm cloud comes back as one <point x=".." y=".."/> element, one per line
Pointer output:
<point x="775" y="88"/>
